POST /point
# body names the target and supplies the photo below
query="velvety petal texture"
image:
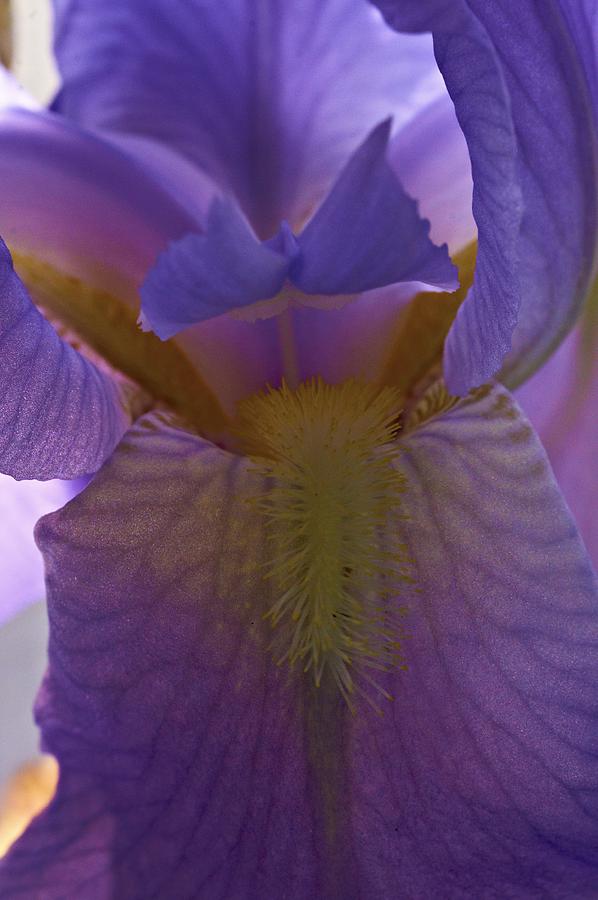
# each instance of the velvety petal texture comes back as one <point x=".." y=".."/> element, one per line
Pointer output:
<point x="61" y="416"/>
<point x="191" y="765"/>
<point x="484" y="773"/>
<point x="536" y="229"/>
<point x="146" y="804"/>
<point x="269" y="98"/>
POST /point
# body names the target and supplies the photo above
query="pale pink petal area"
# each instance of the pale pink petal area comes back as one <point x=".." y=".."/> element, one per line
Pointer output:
<point x="431" y="159"/>
<point x="81" y="204"/>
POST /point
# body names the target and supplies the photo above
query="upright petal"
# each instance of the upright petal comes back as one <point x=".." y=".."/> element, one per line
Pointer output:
<point x="367" y="233"/>
<point x="270" y="98"/>
<point x="556" y="123"/>
<point x="481" y="779"/>
<point x="351" y="245"/>
<point x="61" y="417"/>
<point x="582" y="19"/>
<point x="537" y="231"/>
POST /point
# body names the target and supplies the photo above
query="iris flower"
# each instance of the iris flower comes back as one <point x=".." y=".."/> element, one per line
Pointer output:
<point x="321" y="624"/>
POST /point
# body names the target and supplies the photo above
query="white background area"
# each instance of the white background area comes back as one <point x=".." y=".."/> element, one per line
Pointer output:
<point x="33" y="64"/>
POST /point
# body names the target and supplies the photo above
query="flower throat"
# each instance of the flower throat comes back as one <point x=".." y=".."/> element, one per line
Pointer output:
<point x="331" y="504"/>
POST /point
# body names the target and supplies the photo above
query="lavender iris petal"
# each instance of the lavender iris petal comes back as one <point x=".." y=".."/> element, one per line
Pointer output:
<point x="61" y="416"/>
<point x="536" y="229"/>
<point x="269" y="98"/>
<point x="203" y="276"/>
<point x="191" y="764"/>
<point x="366" y="234"/>
<point x="81" y="203"/>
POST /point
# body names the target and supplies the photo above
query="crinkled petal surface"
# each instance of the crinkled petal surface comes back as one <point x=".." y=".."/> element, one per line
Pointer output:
<point x="270" y="98"/>
<point x="22" y="503"/>
<point x="359" y="341"/>
<point x="205" y="275"/>
<point x="192" y="766"/>
<point x="367" y="233"/>
<point x="61" y="417"/>
<point x="537" y="230"/>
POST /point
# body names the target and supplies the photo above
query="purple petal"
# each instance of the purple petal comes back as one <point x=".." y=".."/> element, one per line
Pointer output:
<point x="191" y="765"/>
<point x="481" y="780"/>
<point x="536" y="230"/>
<point x="162" y="703"/>
<point x="91" y="210"/>
<point x="270" y="101"/>
<point x="582" y="20"/>
<point x="359" y="340"/>
<point x="349" y="246"/>
<point x="22" y="503"/>
<point x="81" y="204"/>
<point x="205" y="275"/>
<point x="61" y="417"/>
<point x="367" y="233"/>
<point x="561" y="400"/>
<point x="559" y="230"/>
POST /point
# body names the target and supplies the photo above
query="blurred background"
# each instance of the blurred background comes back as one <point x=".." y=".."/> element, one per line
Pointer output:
<point x="25" y="45"/>
<point x="25" y="48"/>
